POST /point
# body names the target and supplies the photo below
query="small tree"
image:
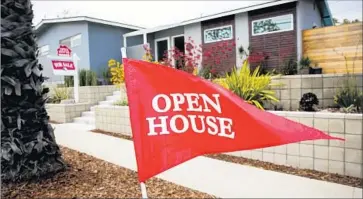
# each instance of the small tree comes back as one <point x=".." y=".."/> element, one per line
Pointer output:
<point x="28" y="146"/>
<point x="117" y="72"/>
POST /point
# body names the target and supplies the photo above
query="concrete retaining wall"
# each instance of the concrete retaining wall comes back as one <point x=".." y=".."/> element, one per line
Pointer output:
<point x="92" y="94"/>
<point x="333" y="156"/>
<point x="113" y="119"/>
<point x="342" y="157"/>
<point x="324" y="86"/>
<point x="64" y="113"/>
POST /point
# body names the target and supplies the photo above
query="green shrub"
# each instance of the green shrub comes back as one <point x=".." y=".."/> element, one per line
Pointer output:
<point x="86" y="78"/>
<point x="91" y="78"/>
<point x="205" y="72"/>
<point x="58" y="94"/>
<point x="348" y="96"/>
<point x="304" y="62"/>
<point x="106" y="76"/>
<point x="68" y="81"/>
<point x="83" y="77"/>
<point x="123" y="102"/>
<point x="253" y="87"/>
<point x="289" y="67"/>
<point x="308" y="102"/>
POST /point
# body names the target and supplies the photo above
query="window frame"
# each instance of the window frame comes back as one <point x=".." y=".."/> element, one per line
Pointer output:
<point x="71" y="40"/>
<point x="40" y="54"/>
<point x="173" y="46"/>
<point x="216" y="28"/>
<point x="78" y="36"/>
<point x="167" y="39"/>
<point x="264" y="19"/>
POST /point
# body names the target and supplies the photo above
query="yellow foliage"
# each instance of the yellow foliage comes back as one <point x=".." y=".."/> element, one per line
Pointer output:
<point x="221" y="81"/>
<point x="254" y="88"/>
<point x="147" y="57"/>
<point x="195" y="71"/>
<point x="117" y="72"/>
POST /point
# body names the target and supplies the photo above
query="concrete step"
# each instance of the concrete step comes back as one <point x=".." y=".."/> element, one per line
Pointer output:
<point x="85" y="120"/>
<point x="114" y="97"/>
<point x="108" y="102"/>
<point x="116" y="92"/>
<point x="93" y="108"/>
<point x="88" y="114"/>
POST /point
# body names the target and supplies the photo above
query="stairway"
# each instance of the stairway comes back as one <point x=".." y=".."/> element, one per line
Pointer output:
<point x="88" y="117"/>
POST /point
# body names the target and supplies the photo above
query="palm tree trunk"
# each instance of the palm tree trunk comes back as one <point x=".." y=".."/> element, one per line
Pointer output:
<point x="28" y="147"/>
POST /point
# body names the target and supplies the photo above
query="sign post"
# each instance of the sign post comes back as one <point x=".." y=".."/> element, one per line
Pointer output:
<point x="123" y="52"/>
<point x="143" y="190"/>
<point x="66" y="65"/>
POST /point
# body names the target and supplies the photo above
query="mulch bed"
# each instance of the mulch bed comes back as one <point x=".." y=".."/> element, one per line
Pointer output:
<point x="88" y="177"/>
<point x="312" y="174"/>
<point x="54" y="122"/>
<point x="126" y="137"/>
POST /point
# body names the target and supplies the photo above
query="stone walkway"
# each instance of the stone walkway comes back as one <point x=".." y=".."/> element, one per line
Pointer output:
<point x="219" y="178"/>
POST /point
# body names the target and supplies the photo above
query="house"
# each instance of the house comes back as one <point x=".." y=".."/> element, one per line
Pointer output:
<point x="274" y="28"/>
<point x="95" y="41"/>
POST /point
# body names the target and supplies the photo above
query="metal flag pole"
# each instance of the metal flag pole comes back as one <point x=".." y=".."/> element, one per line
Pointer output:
<point x="143" y="190"/>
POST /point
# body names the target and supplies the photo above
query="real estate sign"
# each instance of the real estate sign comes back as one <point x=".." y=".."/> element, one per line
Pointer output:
<point x="65" y="64"/>
<point x="63" y="50"/>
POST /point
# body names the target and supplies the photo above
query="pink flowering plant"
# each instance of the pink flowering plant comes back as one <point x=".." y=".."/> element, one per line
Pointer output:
<point x="216" y="57"/>
<point x="187" y="61"/>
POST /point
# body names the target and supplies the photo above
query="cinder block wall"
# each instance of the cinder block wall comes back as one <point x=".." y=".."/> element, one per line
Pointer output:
<point x="113" y="119"/>
<point x="323" y="86"/>
<point x="64" y="113"/>
<point x="91" y="94"/>
<point x="94" y="94"/>
<point x="342" y="157"/>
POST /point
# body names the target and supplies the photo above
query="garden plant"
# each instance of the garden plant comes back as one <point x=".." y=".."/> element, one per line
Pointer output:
<point x="28" y="146"/>
<point x="253" y="87"/>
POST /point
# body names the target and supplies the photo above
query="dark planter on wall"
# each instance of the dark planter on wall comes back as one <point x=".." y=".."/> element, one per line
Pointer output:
<point x="304" y="71"/>
<point x="315" y="70"/>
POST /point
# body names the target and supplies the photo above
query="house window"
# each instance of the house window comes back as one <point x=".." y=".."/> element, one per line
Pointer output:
<point x="72" y="41"/>
<point x="218" y="34"/>
<point x="161" y="48"/>
<point x="44" y="50"/>
<point x="76" y="40"/>
<point x="273" y="25"/>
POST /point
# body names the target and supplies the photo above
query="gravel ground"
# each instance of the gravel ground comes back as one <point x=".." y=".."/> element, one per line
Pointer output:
<point x="88" y="177"/>
<point x="335" y="178"/>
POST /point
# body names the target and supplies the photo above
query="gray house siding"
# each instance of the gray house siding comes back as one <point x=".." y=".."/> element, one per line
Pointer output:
<point x="105" y="43"/>
<point x="150" y="41"/>
<point x="307" y="14"/>
<point x="135" y="40"/>
<point x="242" y="35"/>
<point x="194" y="31"/>
<point x="169" y="32"/>
<point x="53" y="35"/>
<point x="166" y="33"/>
<point x="135" y="48"/>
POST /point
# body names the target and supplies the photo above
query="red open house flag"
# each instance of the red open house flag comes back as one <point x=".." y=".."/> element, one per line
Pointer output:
<point x="176" y="116"/>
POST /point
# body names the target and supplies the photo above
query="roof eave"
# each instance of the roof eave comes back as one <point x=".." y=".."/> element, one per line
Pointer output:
<point x="83" y="18"/>
<point x="327" y="19"/>
<point x="213" y="16"/>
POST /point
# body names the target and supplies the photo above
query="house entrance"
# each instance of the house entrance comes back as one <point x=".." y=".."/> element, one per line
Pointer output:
<point x="178" y="43"/>
<point x="161" y="48"/>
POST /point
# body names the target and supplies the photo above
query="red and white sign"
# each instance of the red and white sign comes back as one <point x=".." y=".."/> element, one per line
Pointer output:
<point x="64" y="51"/>
<point x="63" y="65"/>
<point x="66" y="63"/>
<point x="176" y="116"/>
